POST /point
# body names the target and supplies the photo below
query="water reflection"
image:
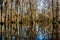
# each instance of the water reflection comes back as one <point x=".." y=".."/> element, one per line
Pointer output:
<point x="42" y="34"/>
<point x="24" y="32"/>
<point x="2" y="36"/>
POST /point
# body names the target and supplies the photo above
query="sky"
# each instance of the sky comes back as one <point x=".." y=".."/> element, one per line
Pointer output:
<point x="42" y="5"/>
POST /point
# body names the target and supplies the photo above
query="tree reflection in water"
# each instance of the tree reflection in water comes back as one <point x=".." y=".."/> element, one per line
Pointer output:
<point x="42" y="34"/>
<point x="2" y="36"/>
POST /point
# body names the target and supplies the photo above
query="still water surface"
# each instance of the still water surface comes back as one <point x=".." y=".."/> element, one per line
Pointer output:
<point x="24" y="32"/>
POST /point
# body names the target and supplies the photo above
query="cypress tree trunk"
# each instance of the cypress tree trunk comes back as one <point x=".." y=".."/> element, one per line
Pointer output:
<point x="55" y="17"/>
<point x="57" y="25"/>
